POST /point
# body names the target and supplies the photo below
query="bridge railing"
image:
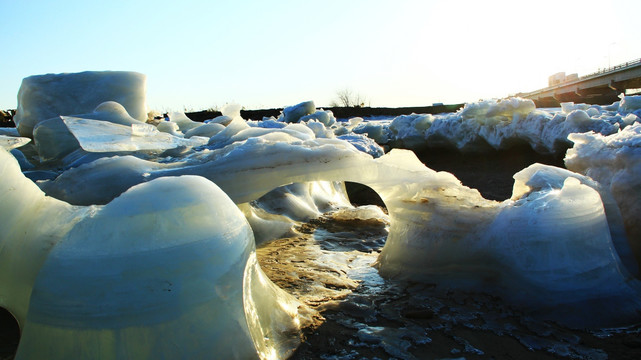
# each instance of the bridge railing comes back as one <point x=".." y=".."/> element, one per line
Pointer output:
<point x="611" y="68"/>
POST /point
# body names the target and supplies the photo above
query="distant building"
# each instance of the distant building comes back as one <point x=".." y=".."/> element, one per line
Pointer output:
<point x="572" y="77"/>
<point x="560" y="78"/>
<point x="556" y="79"/>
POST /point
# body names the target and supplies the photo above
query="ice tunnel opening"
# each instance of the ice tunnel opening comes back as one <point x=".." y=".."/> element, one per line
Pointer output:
<point x="361" y="194"/>
<point x="9" y="334"/>
<point x="328" y="257"/>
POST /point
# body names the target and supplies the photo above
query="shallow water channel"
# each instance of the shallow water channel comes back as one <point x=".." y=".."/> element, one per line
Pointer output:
<point x="330" y="268"/>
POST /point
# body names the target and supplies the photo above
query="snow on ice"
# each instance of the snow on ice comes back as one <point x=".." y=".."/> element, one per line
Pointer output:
<point x="136" y="267"/>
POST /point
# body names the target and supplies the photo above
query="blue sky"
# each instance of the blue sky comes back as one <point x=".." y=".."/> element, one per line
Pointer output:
<point x="201" y="54"/>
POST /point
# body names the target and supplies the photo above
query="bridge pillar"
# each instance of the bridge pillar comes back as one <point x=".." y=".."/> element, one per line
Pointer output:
<point x="579" y="92"/>
<point x="614" y="86"/>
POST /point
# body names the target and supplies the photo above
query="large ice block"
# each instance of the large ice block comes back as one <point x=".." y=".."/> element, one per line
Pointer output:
<point x="43" y="97"/>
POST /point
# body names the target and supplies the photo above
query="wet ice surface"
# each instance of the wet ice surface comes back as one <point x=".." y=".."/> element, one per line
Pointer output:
<point x="363" y="316"/>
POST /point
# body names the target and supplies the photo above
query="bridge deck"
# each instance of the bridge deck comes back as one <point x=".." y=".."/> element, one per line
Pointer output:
<point x="601" y="87"/>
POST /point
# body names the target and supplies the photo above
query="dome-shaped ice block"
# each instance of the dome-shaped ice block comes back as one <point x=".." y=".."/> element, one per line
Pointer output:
<point x="166" y="270"/>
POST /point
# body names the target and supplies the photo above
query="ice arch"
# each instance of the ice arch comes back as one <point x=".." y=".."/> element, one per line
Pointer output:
<point x="555" y="248"/>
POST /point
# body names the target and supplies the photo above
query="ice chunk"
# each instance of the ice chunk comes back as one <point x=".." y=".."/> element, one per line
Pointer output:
<point x="410" y="130"/>
<point x="292" y="114"/>
<point x="184" y="123"/>
<point x="550" y="251"/>
<point x="630" y="104"/>
<point x="568" y="107"/>
<point x="322" y="116"/>
<point x="364" y="144"/>
<point x="113" y="112"/>
<point x="231" y="110"/>
<point x="169" y="128"/>
<point x="43" y="97"/>
<point x="615" y="162"/>
<point x="483" y="111"/>
<point x="319" y="129"/>
<point x="223" y="137"/>
<point x="222" y="120"/>
<point x="205" y="130"/>
<point x="556" y="243"/>
<point x="102" y="136"/>
<point x="374" y="130"/>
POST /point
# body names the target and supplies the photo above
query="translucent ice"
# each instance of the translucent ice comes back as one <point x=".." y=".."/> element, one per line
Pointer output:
<point x="102" y="136"/>
<point x="54" y="141"/>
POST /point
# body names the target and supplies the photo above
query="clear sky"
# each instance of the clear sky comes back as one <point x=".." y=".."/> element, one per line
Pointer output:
<point x="261" y="54"/>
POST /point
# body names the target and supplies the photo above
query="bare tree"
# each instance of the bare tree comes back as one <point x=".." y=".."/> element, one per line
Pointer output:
<point x="346" y="98"/>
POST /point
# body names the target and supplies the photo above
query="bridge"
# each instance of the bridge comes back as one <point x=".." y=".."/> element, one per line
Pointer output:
<point x="601" y="87"/>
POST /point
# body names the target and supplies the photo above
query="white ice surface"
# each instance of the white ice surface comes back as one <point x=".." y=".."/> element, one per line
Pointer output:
<point x="499" y="124"/>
